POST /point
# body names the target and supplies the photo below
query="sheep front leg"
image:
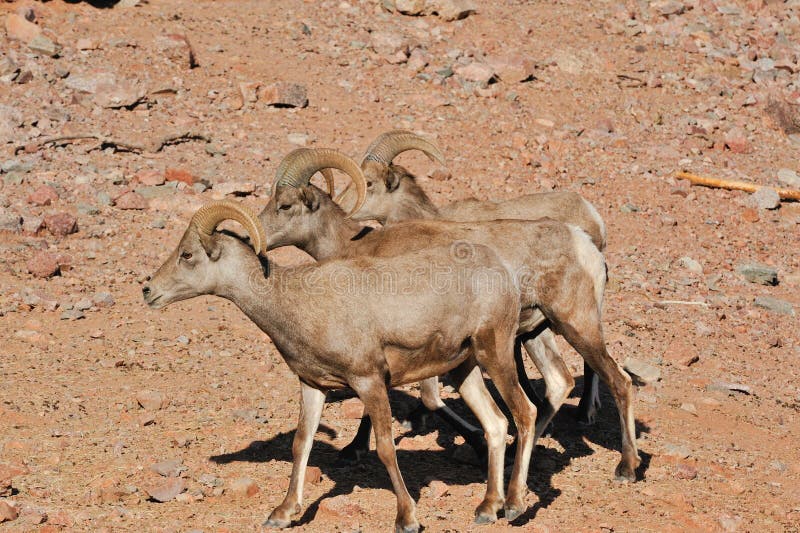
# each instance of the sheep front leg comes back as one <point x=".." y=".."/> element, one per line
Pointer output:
<point x="375" y="396"/>
<point x="312" y="402"/>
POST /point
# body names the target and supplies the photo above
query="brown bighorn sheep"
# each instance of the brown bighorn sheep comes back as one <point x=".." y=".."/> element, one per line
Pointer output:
<point x="393" y="195"/>
<point x="568" y="270"/>
<point x="336" y="325"/>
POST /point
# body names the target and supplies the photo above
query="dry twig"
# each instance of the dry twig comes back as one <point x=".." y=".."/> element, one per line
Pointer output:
<point x="785" y="194"/>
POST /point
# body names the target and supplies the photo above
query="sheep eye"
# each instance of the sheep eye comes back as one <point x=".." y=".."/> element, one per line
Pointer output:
<point x="369" y="184"/>
<point x="186" y="256"/>
<point x="284" y="207"/>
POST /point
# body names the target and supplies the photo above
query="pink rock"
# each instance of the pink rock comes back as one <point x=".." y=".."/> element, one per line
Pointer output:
<point x="152" y="400"/>
<point x="736" y="141"/>
<point x="438" y="488"/>
<point x="44" y="195"/>
<point x="43" y="265"/>
<point x="387" y="43"/>
<point x="284" y="94"/>
<point x="61" y="224"/>
<point x="454" y="9"/>
<point x="176" y="174"/>
<point x="131" y="200"/>
<point x="243" y="487"/>
<point x="33" y="225"/>
<point x="150" y="177"/>
<point x="313" y="475"/>
<point x="7" y="512"/>
<point x="167" y="490"/>
<point x="19" y="29"/>
<point x="86" y="44"/>
<point x="480" y="72"/>
<point x="178" y="49"/>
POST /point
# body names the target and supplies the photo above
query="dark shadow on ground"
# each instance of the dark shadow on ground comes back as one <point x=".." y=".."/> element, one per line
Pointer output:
<point x="420" y="466"/>
<point x="102" y="4"/>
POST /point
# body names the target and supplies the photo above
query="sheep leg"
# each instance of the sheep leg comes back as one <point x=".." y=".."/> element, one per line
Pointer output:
<point x="312" y="402"/>
<point x="359" y="446"/>
<point x="473" y="390"/>
<point x="375" y="396"/>
<point x="432" y="400"/>
<point x="495" y="353"/>
<point x="582" y="329"/>
<point x="558" y="379"/>
<point x="590" y="398"/>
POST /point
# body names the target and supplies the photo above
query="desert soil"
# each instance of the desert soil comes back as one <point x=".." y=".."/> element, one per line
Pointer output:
<point x="105" y="403"/>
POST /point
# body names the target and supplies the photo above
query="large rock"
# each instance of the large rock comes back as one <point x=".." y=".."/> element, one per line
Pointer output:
<point x="7" y="512"/>
<point x="453" y="9"/>
<point x="284" y="94"/>
<point x="131" y="200"/>
<point x="758" y="273"/>
<point x="19" y="29"/>
<point x="61" y="224"/>
<point x="9" y="221"/>
<point x="410" y="7"/>
<point x="44" y="265"/>
<point x="167" y="490"/>
<point x="44" y="195"/>
<point x="177" y="49"/>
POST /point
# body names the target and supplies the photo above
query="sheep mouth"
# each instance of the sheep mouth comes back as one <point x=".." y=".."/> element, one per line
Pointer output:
<point x="152" y="302"/>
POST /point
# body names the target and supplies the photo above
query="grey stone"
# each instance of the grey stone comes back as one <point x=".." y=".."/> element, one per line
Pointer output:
<point x="721" y="386"/>
<point x="691" y="265"/>
<point x="158" y="223"/>
<point x="765" y="198"/>
<point x="103" y="198"/>
<point x="10" y="221"/>
<point x="789" y="178"/>
<point x="775" y="305"/>
<point x="758" y="273"/>
<point x="87" y="209"/>
<point x="43" y="45"/>
<point x="168" y="468"/>
<point x="83" y="305"/>
<point x="103" y="299"/>
<point x="72" y="314"/>
<point x="182" y="339"/>
<point x="644" y="372"/>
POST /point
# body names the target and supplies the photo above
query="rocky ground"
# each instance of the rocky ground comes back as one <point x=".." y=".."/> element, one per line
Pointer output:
<point x="118" y="121"/>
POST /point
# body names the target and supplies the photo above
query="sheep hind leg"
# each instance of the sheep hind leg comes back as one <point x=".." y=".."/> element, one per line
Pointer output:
<point x="432" y="400"/>
<point x="358" y="448"/>
<point x="590" y="398"/>
<point x="470" y="385"/>
<point x="582" y="329"/>
<point x="559" y="382"/>
<point x="495" y="353"/>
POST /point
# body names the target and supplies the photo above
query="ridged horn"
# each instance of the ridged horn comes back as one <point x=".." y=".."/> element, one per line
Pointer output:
<point x="389" y="145"/>
<point x="208" y="217"/>
<point x="297" y="168"/>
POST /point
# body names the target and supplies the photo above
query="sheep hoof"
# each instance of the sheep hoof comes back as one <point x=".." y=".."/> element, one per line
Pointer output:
<point x="411" y="528"/>
<point x="482" y="519"/>
<point x="624" y="472"/>
<point x="276" y="523"/>
<point x="512" y="513"/>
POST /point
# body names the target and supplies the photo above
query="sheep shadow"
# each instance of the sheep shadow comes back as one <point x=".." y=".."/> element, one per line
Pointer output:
<point x="453" y="464"/>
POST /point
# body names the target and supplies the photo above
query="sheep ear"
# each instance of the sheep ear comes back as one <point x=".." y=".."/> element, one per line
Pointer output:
<point x="393" y="176"/>
<point x="211" y="246"/>
<point x="309" y="198"/>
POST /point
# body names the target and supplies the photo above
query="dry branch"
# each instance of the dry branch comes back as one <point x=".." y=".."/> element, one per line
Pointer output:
<point x="785" y="194"/>
<point x="103" y="141"/>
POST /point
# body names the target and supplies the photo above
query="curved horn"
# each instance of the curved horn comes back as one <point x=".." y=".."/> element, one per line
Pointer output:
<point x="297" y="168"/>
<point x="208" y="217"/>
<point x="328" y="175"/>
<point x="389" y="145"/>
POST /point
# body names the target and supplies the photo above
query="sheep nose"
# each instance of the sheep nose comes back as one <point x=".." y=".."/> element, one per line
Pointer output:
<point x="145" y="291"/>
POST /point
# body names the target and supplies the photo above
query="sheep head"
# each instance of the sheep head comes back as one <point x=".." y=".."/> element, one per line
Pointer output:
<point x="383" y="177"/>
<point x="205" y="260"/>
<point x="297" y="209"/>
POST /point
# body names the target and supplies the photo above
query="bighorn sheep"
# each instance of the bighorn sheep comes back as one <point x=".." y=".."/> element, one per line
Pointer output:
<point x="445" y="314"/>
<point x="568" y="269"/>
<point x="393" y="195"/>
